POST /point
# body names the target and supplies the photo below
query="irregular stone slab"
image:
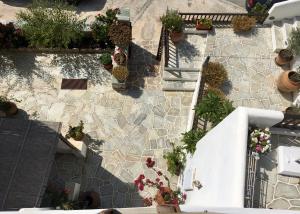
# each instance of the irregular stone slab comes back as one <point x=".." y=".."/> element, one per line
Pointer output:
<point x="286" y="191"/>
<point x="295" y="202"/>
<point x="279" y="204"/>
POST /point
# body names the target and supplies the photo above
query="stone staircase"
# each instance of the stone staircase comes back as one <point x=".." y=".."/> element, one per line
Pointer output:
<point x="281" y="30"/>
<point x="185" y="62"/>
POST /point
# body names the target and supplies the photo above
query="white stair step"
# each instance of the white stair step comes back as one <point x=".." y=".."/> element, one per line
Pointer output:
<point x="178" y="86"/>
<point x="277" y="36"/>
<point x="181" y="76"/>
<point x="287" y="29"/>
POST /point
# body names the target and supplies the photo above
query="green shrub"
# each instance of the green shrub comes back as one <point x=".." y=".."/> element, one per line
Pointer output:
<point x="172" y="21"/>
<point x="51" y="24"/>
<point x="191" y="139"/>
<point x="215" y="74"/>
<point x="76" y="132"/>
<point x="213" y="108"/>
<point x="102" y="23"/>
<point x="294" y="41"/>
<point x="175" y="160"/>
<point x="105" y="59"/>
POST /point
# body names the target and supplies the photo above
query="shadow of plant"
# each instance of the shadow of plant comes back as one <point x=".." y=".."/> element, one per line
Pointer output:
<point x="187" y="50"/>
<point x="82" y="66"/>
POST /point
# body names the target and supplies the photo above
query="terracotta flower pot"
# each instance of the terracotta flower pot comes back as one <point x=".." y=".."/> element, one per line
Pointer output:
<point x="284" y="83"/>
<point x="176" y="36"/>
<point x="159" y="197"/>
<point x="200" y="26"/>
<point x="284" y="57"/>
<point x="108" y="66"/>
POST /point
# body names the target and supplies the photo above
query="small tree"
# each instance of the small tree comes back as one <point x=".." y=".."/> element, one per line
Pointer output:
<point x="51" y="24"/>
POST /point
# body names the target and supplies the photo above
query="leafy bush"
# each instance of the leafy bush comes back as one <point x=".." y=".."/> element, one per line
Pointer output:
<point x="206" y="22"/>
<point x="175" y="160"/>
<point x="294" y="41"/>
<point x="51" y="24"/>
<point x="102" y="23"/>
<point x="216" y="91"/>
<point x="215" y="74"/>
<point x="4" y="104"/>
<point x="243" y="23"/>
<point x="120" y="34"/>
<point x="191" y="139"/>
<point x="105" y="59"/>
<point x="10" y="37"/>
<point x="213" y="108"/>
<point x="76" y="132"/>
<point x="172" y="21"/>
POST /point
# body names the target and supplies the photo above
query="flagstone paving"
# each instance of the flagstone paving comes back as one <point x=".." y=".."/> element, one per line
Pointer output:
<point x="272" y="190"/>
<point x="249" y="60"/>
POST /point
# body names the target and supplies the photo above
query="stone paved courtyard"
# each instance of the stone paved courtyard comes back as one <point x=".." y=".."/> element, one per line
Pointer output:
<point x="272" y="190"/>
<point x="123" y="128"/>
<point x="249" y="60"/>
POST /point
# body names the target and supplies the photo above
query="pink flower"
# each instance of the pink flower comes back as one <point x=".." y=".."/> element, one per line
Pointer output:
<point x="141" y="177"/>
<point x="258" y="148"/>
<point x="136" y="182"/>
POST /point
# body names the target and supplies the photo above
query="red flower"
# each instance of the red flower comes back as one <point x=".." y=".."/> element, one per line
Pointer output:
<point x="141" y="187"/>
<point x="184" y="196"/>
<point x="141" y="177"/>
<point x="174" y="201"/>
<point x="148" y="202"/>
<point x="159" y="173"/>
<point x="136" y="182"/>
<point x="150" y="163"/>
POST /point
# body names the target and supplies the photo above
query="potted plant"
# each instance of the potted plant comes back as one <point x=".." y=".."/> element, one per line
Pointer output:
<point x="164" y="194"/>
<point x="243" y="23"/>
<point x="260" y="142"/>
<point x="7" y="108"/>
<point x="120" y="73"/>
<point x="120" y="34"/>
<point x="76" y="132"/>
<point x="285" y="56"/>
<point x="289" y="81"/>
<point x="120" y="57"/>
<point x="294" y="41"/>
<point x="106" y="61"/>
<point x="204" y="24"/>
<point x="175" y="159"/>
<point x="173" y="23"/>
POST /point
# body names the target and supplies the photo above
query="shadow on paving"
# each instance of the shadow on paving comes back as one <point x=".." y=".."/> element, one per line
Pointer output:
<point x="89" y="172"/>
<point x="142" y="64"/>
<point x="90" y="5"/>
<point x="23" y="65"/>
<point x="82" y="66"/>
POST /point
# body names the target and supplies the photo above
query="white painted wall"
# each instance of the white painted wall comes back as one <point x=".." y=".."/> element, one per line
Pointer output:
<point x="220" y="159"/>
<point x="282" y="10"/>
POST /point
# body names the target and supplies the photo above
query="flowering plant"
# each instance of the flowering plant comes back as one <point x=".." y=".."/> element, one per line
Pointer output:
<point x="164" y="195"/>
<point x="260" y="142"/>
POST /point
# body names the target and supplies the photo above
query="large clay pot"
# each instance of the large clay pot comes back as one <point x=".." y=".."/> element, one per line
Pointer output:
<point x="284" y="83"/>
<point x="176" y="36"/>
<point x="284" y="57"/>
<point x="108" y="66"/>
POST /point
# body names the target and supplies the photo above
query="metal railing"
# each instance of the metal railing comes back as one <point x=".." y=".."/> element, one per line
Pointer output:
<point x="220" y="17"/>
<point x="160" y="44"/>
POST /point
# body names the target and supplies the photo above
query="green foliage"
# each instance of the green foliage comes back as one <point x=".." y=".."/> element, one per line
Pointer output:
<point x="102" y="23"/>
<point x="105" y="59"/>
<point x="172" y="21"/>
<point x="206" y="22"/>
<point x="4" y="104"/>
<point x="76" y="132"/>
<point x="215" y="74"/>
<point x="175" y="159"/>
<point x="260" y="9"/>
<point x="191" y="139"/>
<point x="51" y="25"/>
<point x="294" y="41"/>
<point x="214" y="108"/>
